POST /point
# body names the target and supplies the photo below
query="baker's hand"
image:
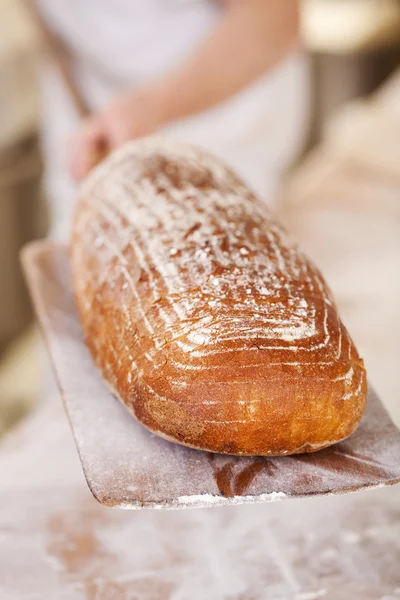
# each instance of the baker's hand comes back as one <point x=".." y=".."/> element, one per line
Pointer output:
<point x="131" y="115"/>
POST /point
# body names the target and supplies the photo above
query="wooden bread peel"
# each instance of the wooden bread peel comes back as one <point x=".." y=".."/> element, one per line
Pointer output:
<point x="126" y="466"/>
<point x="60" y="56"/>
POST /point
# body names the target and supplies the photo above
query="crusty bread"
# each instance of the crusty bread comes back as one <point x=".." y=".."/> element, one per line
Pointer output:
<point x="201" y="313"/>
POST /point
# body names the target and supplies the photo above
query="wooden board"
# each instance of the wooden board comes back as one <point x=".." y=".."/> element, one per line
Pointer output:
<point x="128" y="467"/>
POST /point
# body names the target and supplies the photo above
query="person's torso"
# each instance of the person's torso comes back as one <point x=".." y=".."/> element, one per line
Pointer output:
<point x="119" y="44"/>
<point x="129" y="41"/>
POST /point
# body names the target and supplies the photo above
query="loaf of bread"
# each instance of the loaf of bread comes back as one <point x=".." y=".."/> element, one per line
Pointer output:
<point x="203" y="316"/>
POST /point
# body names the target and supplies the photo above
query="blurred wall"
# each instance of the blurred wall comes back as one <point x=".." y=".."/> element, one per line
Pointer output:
<point x="20" y="203"/>
<point x="354" y="45"/>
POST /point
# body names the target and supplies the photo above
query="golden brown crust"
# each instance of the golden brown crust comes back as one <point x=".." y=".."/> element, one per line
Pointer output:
<point x="203" y="316"/>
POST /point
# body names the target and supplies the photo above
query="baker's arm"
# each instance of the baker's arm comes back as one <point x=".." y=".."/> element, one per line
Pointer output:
<point x="251" y="37"/>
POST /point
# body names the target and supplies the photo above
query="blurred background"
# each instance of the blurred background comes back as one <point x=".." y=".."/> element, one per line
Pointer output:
<point x="341" y="198"/>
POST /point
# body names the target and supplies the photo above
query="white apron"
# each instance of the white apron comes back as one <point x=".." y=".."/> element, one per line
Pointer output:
<point x="119" y="44"/>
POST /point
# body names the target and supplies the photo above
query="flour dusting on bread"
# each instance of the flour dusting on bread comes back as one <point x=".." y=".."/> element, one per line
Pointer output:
<point x="177" y="260"/>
